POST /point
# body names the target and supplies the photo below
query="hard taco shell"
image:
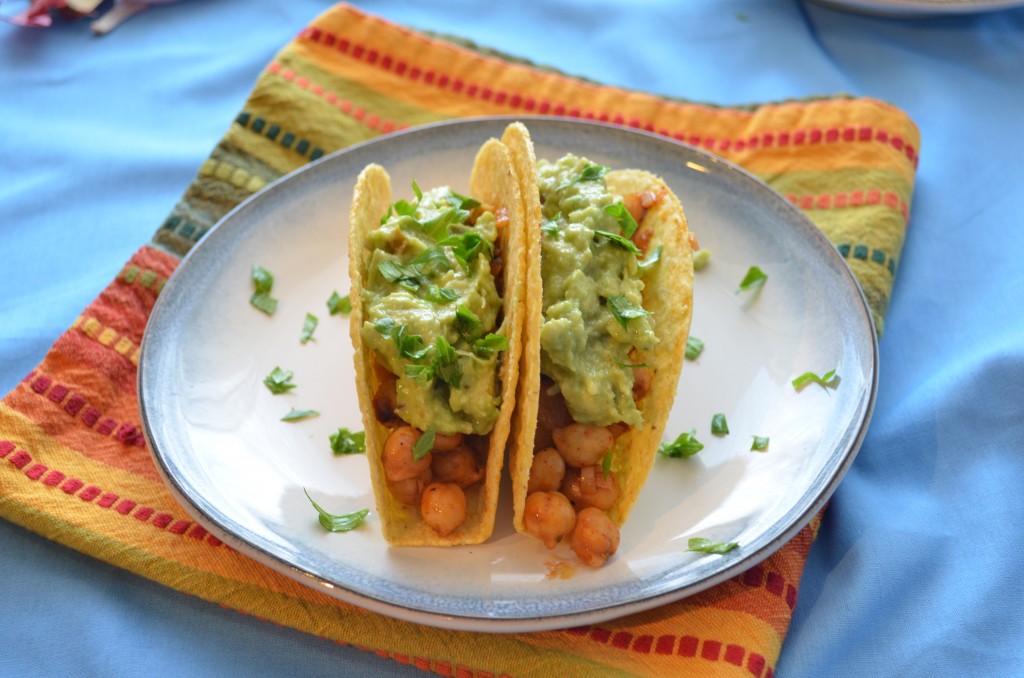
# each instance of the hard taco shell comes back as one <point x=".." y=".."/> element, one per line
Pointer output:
<point x="493" y="181"/>
<point x="668" y="293"/>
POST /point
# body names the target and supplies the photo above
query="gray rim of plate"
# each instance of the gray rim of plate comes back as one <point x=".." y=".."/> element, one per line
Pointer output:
<point x="154" y="355"/>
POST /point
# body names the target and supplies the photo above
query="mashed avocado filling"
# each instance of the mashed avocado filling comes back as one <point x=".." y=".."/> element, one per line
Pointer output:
<point x="431" y="309"/>
<point x="593" y="314"/>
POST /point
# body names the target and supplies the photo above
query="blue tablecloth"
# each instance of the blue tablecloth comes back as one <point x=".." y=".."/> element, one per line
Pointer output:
<point x="915" y="571"/>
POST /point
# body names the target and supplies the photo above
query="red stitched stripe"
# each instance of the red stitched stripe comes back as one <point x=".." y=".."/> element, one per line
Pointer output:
<point x="127" y="433"/>
<point x="35" y="471"/>
<point x="374" y="121"/>
<point x="20" y="459"/>
<point x="688" y="646"/>
<point x="179" y="527"/>
<point x="711" y="649"/>
<point x="622" y="639"/>
<point x="856" y="198"/>
<point x="41" y="384"/>
<point x="58" y="393"/>
<point x="72" y="485"/>
<point x="514" y="101"/>
<point x="125" y="506"/>
<point x="74" y="405"/>
<point x="755" y="663"/>
<point x="89" y="493"/>
<point x="665" y="644"/>
<point x="734" y="654"/>
<point x="107" y="500"/>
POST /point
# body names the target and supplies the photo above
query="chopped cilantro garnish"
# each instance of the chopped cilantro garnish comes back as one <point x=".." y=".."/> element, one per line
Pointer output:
<point x="550" y="228"/>
<point x="719" y="426"/>
<point x="826" y="380"/>
<point x="683" y="447"/>
<point x="338" y="523"/>
<point x="416" y="190"/>
<point x="298" y="415"/>
<point x="466" y="322"/>
<point x="347" y="442"/>
<point x="408" y="276"/>
<point x="440" y="295"/>
<point x="465" y="246"/>
<point x="308" y="327"/>
<point x="590" y="172"/>
<point x="432" y="260"/>
<point x="694" y="347"/>
<point x="626" y="221"/>
<point x="624" y="243"/>
<point x="490" y="344"/>
<point x="446" y="363"/>
<point x="263" y="283"/>
<point x="409" y="345"/>
<point x="754" y="279"/>
<point x="648" y="262"/>
<point x="606" y="463"/>
<point x="339" y="304"/>
<point x="701" y="259"/>
<point x="702" y="545"/>
<point x="279" y="381"/>
<point x="760" y="444"/>
<point x="625" y="310"/>
<point x="424" y="445"/>
<point x="461" y="201"/>
<point x="437" y="228"/>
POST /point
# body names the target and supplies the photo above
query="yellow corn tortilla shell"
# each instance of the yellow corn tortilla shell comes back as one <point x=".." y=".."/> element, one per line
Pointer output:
<point x="668" y="293"/>
<point x="493" y="181"/>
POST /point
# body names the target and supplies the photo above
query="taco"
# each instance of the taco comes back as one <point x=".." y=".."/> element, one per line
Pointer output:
<point x="437" y="299"/>
<point x="608" y="312"/>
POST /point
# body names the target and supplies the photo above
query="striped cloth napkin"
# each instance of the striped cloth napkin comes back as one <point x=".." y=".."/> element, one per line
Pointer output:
<point x="72" y="461"/>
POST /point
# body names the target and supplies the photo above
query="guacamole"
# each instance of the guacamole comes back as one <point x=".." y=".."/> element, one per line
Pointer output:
<point x="431" y="308"/>
<point x="593" y="314"/>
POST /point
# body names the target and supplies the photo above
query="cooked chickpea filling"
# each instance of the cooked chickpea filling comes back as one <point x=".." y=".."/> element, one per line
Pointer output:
<point x="436" y="482"/>
<point x="568" y="491"/>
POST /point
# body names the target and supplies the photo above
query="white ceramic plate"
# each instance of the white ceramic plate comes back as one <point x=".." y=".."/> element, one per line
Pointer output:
<point x="216" y="435"/>
<point x="918" y="8"/>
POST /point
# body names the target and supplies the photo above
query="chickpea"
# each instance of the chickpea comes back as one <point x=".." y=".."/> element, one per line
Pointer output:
<point x="546" y="472"/>
<point x="552" y="413"/>
<point x="642" y="377"/>
<point x="596" y="538"/>
<point x="583" y="444"/>
<point x="410" y="490"/>
<point x="590" y="486"/>
<point x="397" y="457"/>
<point x="458" y="466"/>
<point x="447" y="443"/>
<point x="443" y="507"/>
<point x="549" y="517"/>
